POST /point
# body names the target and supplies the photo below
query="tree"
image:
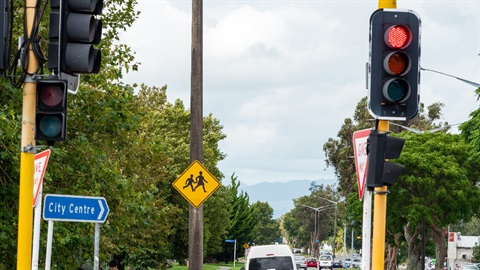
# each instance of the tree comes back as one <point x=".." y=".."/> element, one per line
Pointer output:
<point x="307" y="225"/>
<point x="267" y="229"/>
<point x="437" y="186"/>
<point x="241" y="219"/>
<point x="338" y="151"/>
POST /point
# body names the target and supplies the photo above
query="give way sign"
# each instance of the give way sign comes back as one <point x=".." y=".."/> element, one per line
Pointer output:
<point x="41" y="161"/>
<point x="361" y="158"/>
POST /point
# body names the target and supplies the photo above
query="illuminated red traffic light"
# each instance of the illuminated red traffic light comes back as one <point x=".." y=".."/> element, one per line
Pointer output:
<point x="398" y="37"/>
<point x="394" y="64"/>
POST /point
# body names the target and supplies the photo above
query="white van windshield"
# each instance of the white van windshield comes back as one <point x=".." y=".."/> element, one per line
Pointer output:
<point x="271" y="263"/>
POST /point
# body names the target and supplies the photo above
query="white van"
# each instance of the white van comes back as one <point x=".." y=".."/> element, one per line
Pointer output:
<point x="271" y="257"/>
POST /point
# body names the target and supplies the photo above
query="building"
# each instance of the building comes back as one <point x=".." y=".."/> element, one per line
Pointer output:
<point x="460" y="248"/>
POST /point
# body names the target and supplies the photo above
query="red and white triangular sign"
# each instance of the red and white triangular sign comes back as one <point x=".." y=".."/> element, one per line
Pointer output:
<point x="41" y="161"/>
<point x="361" y="158"/>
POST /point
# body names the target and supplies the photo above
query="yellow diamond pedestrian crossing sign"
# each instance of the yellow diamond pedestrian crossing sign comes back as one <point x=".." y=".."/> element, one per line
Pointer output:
<point x="196" y="184"/>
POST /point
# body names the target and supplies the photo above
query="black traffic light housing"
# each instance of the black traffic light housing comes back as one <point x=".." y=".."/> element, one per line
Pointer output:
<point x="380" y="146"/>
<point x="74" y="30"/>
<point x="51" y="112"/>
<point x="394" y="64"/>
<point x="4" y="35"/>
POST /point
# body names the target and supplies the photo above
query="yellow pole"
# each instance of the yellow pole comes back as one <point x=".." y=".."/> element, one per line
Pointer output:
<point x="387" y="3"/>
<point x="27" y="156"/>
<point x="379" y="218"/>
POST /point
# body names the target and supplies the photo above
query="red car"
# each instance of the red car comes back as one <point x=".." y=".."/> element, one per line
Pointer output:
<point x="311" y="262"/>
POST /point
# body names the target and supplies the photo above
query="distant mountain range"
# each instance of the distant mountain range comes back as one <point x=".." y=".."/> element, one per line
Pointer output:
<point x="280" y="195"/>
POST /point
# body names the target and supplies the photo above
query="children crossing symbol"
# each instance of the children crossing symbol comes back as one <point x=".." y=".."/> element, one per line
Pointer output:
<point x="196" y="184"/>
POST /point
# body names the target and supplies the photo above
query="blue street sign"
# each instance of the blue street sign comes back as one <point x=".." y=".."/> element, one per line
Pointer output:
<point x="230" y="241"/>
<point x="75" y="208"/>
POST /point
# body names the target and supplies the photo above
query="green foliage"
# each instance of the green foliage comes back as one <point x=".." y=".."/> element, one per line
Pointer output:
<point x="307" y="225"/>
<point x="476" y="253"/>
<point x="267" y="230"/>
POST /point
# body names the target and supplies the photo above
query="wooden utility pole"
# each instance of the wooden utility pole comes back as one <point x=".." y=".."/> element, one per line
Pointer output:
<point x="27" y="155"/>
<point x="195" y="219"/>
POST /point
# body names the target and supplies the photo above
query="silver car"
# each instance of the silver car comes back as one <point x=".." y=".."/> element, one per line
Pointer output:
<point x="300" y="262"/>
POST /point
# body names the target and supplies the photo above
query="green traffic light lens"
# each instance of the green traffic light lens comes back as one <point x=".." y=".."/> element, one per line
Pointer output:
<point x="396" y="90"/>
<point x="50" y="125"/>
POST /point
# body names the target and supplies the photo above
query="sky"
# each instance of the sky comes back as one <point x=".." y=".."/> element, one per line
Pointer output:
<point x="281" y="76"/>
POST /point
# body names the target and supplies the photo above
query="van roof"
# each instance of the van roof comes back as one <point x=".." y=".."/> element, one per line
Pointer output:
<point x="270" y="251"/>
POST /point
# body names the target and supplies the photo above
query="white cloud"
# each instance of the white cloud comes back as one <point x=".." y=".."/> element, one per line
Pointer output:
<point x="283" y="75"/>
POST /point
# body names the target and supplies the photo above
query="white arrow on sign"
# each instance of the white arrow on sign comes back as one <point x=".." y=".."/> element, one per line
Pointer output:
<point x="101" y="209"/>
<point x="361" y="158"/>
<point x="41" y="161"/>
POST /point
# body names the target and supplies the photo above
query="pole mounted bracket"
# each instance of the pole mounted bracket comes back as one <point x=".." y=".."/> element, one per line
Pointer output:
<point x="381" y="192"/>
<point x="29" y="149"/>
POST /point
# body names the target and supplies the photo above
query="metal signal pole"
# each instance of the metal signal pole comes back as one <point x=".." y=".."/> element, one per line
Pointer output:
<point x="195" y="232"/>
<point x="27" y="156"/>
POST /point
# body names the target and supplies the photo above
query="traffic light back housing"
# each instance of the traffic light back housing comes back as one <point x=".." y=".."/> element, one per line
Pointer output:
<point x="74" y="30"/>
<point x="4" y="34"/>
<point x="380" y="146"/>
<point x="394" y="64"/>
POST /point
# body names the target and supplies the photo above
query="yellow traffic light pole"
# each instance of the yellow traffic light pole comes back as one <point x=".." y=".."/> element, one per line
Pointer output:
<point x="27" y="156"/>
<point x="379" y="217"/>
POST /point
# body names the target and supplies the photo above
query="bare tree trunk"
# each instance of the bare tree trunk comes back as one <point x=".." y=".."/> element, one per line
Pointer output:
<point x="392" y="253"/>
<point x="438" y="236"/>
<point x="414" y="247"/>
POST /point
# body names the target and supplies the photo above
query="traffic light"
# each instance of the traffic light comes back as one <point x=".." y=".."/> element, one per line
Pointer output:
<point x="394" y="64"/>
<point x="74" y="30"/>
<point x="51" y="114"/>
<point x="380" y="146"/>
<point x="4" y="34"/>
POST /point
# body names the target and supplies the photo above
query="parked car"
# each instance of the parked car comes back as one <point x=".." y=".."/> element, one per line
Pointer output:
<point x="301" y="262"/>
<point x="326" y="261"/>
<point x="337" y="264"/>
<point x="311" y="262"/>
<point x="357" y="263"/>
<point x="470" y="267"/>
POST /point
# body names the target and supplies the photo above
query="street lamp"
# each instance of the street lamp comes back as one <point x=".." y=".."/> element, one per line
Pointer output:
<point x="317" y="210"/>
<point x="421" y="131"/>
<point x="477" y="85"/>
<point x="335" y="226"/>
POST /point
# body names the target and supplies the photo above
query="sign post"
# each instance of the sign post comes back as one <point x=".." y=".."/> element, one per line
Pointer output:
<point x="75" y="209"/>
<point x="360" y="141"/>
<point x="234" y="241"/>
<point x="41" y="162"/>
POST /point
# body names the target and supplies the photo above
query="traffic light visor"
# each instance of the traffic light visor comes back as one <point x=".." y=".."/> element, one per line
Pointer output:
<point x="398" y="37"/>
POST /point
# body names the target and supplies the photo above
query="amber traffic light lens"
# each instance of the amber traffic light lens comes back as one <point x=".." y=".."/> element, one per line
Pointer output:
<point x="397" y="63"/>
